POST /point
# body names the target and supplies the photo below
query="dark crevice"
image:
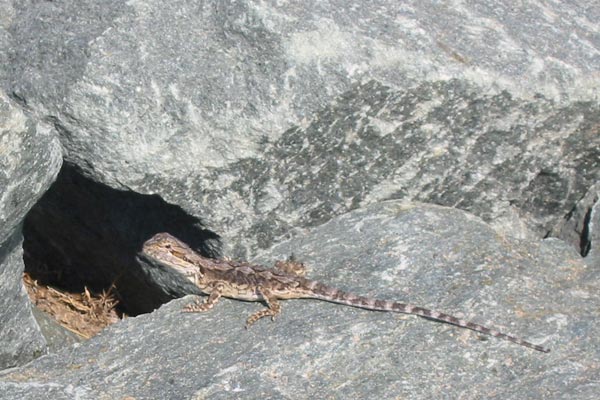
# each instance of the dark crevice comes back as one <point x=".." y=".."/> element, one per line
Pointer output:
<point x="86" y="234"/>
<point x="585" y="243"/>
<point x="20" y="100"/>
<point x="575" y="227"/>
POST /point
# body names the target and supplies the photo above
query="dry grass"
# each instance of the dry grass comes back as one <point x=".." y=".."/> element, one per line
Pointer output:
<point x="84" y="314"/>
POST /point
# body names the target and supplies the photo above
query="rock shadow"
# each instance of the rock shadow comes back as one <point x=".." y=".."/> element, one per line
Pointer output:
<point x="84" y="233"/>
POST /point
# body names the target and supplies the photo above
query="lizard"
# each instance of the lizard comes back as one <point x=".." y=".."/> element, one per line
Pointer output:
<point x="244" y="281"/>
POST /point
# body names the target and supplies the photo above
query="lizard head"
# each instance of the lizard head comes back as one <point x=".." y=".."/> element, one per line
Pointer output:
<point x="171" y="252"/>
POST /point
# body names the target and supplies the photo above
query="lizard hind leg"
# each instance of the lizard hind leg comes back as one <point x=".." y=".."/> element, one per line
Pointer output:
<point x="209" y="303"/>
<point x="273" y="309"/>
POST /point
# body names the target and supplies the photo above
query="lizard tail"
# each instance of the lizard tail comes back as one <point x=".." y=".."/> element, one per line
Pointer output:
<point x="326" y="293"/>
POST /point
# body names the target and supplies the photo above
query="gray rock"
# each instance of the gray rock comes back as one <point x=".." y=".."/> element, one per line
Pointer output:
<point x="20" y="336"/>
<point x="30" y="158"/>
<point x="588" y="212"/>
<point x="502" y="158"/>
<point x="434" y="256"/>
<point x="284" y="59"/>
<point x="581" y="226"/>
<point x="56" y="335"/>
<point x="6" y="40"/>
<point x="517" y="163"/>
<point x="248" y="122"/>
<point x="529" y="171"/>
<point x="198" y="102"/>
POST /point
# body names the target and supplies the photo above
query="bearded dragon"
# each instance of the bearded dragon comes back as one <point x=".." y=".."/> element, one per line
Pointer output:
<point x="244" y="281"/>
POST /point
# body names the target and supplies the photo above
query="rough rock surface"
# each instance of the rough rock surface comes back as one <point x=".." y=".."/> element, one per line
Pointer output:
<point x="194" y="101"/>
<point x="514" y="162"/>
<point x="591" y="226"/>
<point x="30" y="158"/>
<point x="581" y="226"/>
<point x="234" y="124"/>
<point x="532" y="169"/>
<point x="434" y="256"/>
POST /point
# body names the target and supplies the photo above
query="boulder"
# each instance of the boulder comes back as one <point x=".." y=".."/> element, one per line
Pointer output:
<point x="437" y="257"/>
<point x="30" y="157"/>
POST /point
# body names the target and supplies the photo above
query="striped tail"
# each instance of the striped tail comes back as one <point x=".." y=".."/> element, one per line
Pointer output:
<point x="323" y="292"/>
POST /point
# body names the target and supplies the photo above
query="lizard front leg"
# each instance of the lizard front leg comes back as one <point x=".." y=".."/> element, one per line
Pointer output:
<point x="210" y="301"/>
<point x="272" y="311"/>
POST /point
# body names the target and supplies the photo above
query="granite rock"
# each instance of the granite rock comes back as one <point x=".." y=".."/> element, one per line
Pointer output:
<point x="30" y="158"/>
<point x="237" y="125"/>
<point x="196" y="102"/>
<point x="433" y="256"/>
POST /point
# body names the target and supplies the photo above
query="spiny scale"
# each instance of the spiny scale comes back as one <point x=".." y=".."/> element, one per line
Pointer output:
<point x="248" y="282"/>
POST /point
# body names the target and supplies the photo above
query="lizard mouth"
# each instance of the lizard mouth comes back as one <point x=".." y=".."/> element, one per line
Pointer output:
<point x="160" y="250"/>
